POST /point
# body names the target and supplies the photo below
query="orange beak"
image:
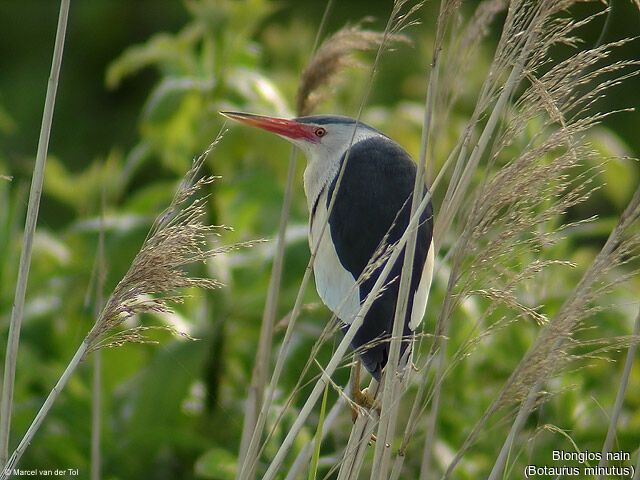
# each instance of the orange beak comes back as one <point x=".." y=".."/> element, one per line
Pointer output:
<point x="280" y="126"/>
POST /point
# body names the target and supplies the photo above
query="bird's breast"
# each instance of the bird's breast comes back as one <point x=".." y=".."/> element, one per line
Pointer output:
<point x="335" y="284"/>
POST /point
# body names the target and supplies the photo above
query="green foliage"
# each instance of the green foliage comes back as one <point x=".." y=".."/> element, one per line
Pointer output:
<point x="175" y="410"/>
<point x="217" y="464"/>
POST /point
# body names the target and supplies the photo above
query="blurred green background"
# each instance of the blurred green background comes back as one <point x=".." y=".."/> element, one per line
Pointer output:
<point x="141" y="86"/>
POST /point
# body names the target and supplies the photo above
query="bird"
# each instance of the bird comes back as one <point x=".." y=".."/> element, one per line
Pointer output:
<point x="370" y="212"/>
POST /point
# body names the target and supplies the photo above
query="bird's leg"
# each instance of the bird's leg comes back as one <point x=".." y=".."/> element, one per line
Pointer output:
<point x="361" y="398"/>
<point x="355" y="389"/>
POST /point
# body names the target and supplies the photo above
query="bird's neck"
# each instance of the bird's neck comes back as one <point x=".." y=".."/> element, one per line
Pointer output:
<point x="317" y="176"/>
<point x="323" y="167"/>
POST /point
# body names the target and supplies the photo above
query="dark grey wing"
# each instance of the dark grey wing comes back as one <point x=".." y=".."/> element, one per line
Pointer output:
<point x="373" y="199"/>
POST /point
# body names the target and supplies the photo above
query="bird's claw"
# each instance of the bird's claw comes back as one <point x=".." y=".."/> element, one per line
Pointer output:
<point x="363" y="399"/>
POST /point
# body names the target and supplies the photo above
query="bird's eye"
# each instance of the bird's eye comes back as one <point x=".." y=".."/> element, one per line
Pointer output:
<point x="320" y="132"/>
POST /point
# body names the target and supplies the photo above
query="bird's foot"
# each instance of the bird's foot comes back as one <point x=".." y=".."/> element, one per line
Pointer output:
<point x="363" y="399"/>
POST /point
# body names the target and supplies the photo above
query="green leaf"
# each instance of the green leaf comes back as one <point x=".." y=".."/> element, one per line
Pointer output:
<point x="217" y="463"/>
<point x="7" y="124"/>
<point x="173" y="52"/>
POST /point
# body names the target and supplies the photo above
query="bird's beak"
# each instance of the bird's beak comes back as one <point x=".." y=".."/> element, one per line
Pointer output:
<point x="280" y="126"/>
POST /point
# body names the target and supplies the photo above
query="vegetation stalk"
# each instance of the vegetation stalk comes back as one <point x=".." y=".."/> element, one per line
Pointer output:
<point x="29" y="233"/>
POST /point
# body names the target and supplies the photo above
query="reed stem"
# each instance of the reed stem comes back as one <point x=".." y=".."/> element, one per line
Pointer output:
<point x="29" y="233"/>
<point x="44" y="410"/>
<point x="624" y="382"/>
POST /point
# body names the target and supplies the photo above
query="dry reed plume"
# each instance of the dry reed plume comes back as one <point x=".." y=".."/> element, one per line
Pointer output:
<point x="332" y="56"/>
<point x="178" y="237"/>
<point x="516" y="211"/>
<point x="505" y="208"/>
<point x="335" y="54"/>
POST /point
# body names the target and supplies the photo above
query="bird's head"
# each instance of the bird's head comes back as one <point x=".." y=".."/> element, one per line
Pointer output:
<point x="325" y="137"/>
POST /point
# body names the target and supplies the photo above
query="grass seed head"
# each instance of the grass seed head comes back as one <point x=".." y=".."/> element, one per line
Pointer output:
<point x="335" y="54"/>
<point x="156" y="277"/>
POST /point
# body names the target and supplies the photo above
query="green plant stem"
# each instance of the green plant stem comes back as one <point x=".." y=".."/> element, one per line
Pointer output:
<point x="95" y="415"/>
<point x="29" y="233"/>
<point x="359" y="440"/>
<point x="628" y="218"/>
<point x="44" y="410"/>
<point x="254" y="445"/>
<point x="441" y="339"/>
<point x="302" y="460"/>
<point x="256" y="403"/>
<point x="412" y="422"/>
<point x="260" y="375"/>
<point x="342" y="348"/>
<point x="390" y="403"/>
<point x="521" y="418"/>
<point x="313" y="469"/>
<point x="624" y="382"/>
<point x="425" y="467"/>
<point x="97" y="358"/>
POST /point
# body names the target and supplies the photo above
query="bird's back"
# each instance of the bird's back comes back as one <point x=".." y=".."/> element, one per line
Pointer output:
<point x="373" y="204"/>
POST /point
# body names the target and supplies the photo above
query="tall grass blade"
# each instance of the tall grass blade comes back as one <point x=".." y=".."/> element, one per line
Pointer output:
<point x="44" y="410"/>
<point x="96" y="393"/>
<point x="260" y="375"/>
<point x="252" y="428"/>
<point x="322" y="68"/>
<point x="304" y="457"/>
<point x="624" y="382"/>
<point x="11" y="357"/>
<point x="544" y="356"/>
<point x="313" y="469"/>
<point x="523" y="413"/>
<point x="154" y="280"/>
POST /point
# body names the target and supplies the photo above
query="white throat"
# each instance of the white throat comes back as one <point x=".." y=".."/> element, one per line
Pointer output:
<point x="319" y="173"/>
<point x="323" y="165"/>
